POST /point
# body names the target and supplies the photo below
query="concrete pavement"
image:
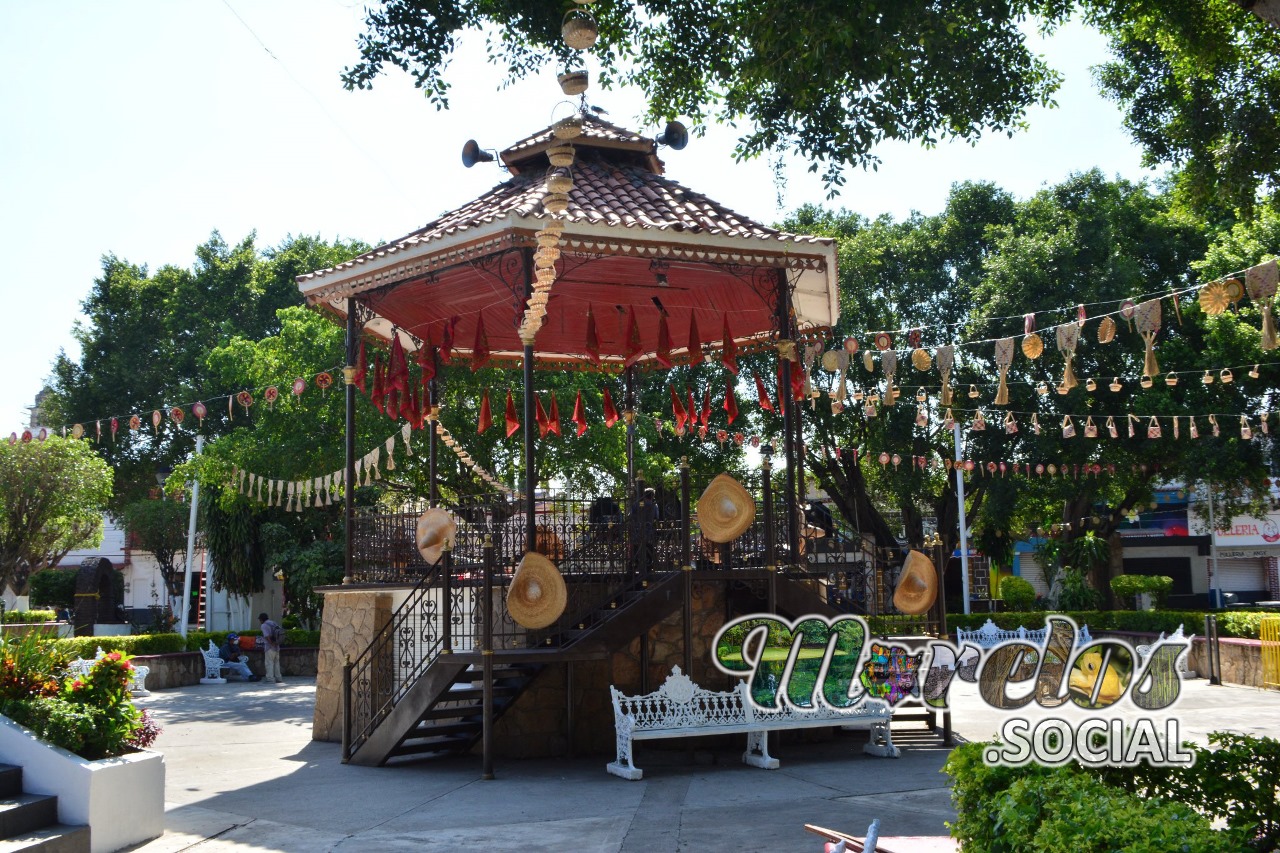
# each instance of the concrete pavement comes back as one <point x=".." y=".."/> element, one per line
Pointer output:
<point x="243" y="774"/>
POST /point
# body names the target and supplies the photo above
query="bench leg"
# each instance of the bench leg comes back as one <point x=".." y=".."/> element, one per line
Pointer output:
<point x="757" y="754"/>
<point x="624" y="766"/>
<point x="881" y="743"/>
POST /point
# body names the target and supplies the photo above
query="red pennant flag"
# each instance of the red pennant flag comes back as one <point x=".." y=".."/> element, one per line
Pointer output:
<point x="664" y="342"/>
<point x="397" y="369"/>
<point x="426" y="361"/>
<point x="553" y="421"/>
<point x="446" y="339"/>
<point x="486" y="415"/>
<point x="731" y="401"/>
<point x="393" y="405"/>
<point x="634" y="348"/>
<point x="592" y="345"/>
<point x="730" y="355"/>
<point x="610" y="410"/>
<point x="513" y="422"/>
<point x="762" y="393"/>
<point x="540" y="417"/>
<point x="797" y="382"/>
<point x="677" y="408"/>
<point x="480" y="349"/>
<point x="706" y="408"/>
<point x="378" y="390"/>
<point x="580" y="414"/>
<point x="695" y="340"/>
<point x="409" y="405"/>
<point x="362" y="367"/>
<point x="693" y="409"/>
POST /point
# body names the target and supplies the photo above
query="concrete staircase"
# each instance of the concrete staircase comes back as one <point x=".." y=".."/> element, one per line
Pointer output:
<point x="30" y="821"/>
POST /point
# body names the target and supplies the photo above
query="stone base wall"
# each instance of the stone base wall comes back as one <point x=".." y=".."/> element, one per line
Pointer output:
<point x="1241" y="659"/>
<point x="184" y="669"/>
<point x="351" y="620"/>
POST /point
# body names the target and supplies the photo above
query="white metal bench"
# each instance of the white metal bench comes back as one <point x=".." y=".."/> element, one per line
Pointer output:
<point x="680" y="708"/>
<point x="213" y="665"/>
<point x="137" y="685"/>
<point x="991" y="634"/>
<point x="1144" y="651"/>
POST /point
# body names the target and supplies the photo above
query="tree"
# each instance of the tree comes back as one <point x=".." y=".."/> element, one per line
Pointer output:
<point x="52" y="496"/>
<point x="160" y="527"/>
<point x="832" y="80"/>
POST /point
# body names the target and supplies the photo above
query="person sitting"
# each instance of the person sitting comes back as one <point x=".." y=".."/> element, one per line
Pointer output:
<point x="236" y="662"/>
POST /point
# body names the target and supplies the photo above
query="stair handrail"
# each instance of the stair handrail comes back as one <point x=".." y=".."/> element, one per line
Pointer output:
<point x="366" y="710"/>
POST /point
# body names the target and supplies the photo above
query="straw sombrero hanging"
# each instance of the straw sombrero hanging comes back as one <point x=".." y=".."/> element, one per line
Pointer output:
<point x="725" y="510"/>
<point x="1032" y="344"/>
<point x="436" y="529"/>
<point x="917" y="587"/>
<point x="537" y="595"/>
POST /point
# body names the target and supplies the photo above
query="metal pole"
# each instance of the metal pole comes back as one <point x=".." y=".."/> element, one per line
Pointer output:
<point x="346" y="711"/>
<point x="349" y="475"/>
<point x="964" y="530"/>
<point x="433" y="441"/>
<point x="766" y="487"/>
<point x="686" y="565"/>
<point x="446" y="605"/>
<point x="191" y="545"/>
<point x="1215" y="597"/>
<point x="530" y="467"/>
<point x="629" y="410"/>
<point x="486" y="652"/>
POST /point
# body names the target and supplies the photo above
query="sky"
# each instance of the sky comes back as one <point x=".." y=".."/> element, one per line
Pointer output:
<point x="140" y="127"/>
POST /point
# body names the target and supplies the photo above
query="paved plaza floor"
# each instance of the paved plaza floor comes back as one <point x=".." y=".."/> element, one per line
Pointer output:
<point x="244" y="775"/>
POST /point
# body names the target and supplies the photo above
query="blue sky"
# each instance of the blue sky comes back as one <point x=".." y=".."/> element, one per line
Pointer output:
<point x="138" y="128"/>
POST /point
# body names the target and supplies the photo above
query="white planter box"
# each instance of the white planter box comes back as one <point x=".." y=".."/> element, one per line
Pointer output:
<point x="120" y="799"/>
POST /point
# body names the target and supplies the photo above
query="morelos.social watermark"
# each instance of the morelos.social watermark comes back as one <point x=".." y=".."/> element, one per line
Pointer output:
<point x="837" y="663"/>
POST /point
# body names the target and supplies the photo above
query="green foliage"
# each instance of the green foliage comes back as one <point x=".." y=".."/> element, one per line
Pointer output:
<point x="1126" y="587"/>
<point x="817" y="79"/>
<point x="1035" y="808"/>
<point x="93" y="716"/>
<point x="29" y="616"/>
<point x="1017" y="593"/>
<point x="293" y="638"/>
<point x="160" y="527"/>
<point x="140" y="644"/>
<point x="28" y="666"/>
<point x="1076" y="593"/>
<point x="1230" y="624"/>
<point x="231" y="535"/>
<point x="52" y="495"/>
<point x="305" y="566"/>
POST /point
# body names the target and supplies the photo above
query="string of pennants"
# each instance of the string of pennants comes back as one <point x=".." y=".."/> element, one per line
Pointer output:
<point x="980" y="468"/>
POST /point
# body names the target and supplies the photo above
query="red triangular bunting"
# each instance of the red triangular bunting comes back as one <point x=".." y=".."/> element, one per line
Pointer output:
<point x="693" y="409"/>
<point x="706" y="407"/>
<point x="592" y="345"/>
<point x="540" y="417"/>
<point x="397" y="368"/>
<point x="610" y="410"/>
<point x="486" y="415"/>
<point x="634" y="348"/>
<point x="480" y="349"/>
<point x="379" y="392"/>
<point x="730" y="355"/>
<point x="446" y="339"/>
<point x="553" y="420"/>
<point x="782" y="391"/>
<point x="426" y="361"/>
<point x="580" y="414"/>
<point x="664" y="342"/>
<point x="677" y="408"/>
<point x="513" y="422"/>
<point x="393" y="405"/>
<point x="695" y="340"/>
<point x="762" y="393"/>
<point x="731" y="401"/>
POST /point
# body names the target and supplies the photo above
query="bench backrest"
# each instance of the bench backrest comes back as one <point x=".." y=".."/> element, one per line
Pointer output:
<point x="681" y="704"/>
<point x="991" y="634"/>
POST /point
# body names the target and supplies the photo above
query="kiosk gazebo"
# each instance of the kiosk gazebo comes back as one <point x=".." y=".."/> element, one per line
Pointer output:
<point x="433" y="656"/>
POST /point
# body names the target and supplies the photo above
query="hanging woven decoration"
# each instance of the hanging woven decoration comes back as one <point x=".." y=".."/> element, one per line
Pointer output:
<point x="920" y="359"/>
<point x="868" y="363"/>
<point x="1147" y="318"/>
<point x="1213" y="298"/>
<point x="1032" y="344"/>
<point x="945" y="357"/>
<point x="1261" y="282"/>
<point x="842" y="365"/>
<point x="889" y="363"/>
<point x="1010" y="423"/>
<point x="1068" y="426"/>
<point x="1004" y="359"/>
<point x="1090" y="428"/>
<point x="1106" y="330"/>
<point x="1068" y="336"/>
<point x="1245" y="431"/>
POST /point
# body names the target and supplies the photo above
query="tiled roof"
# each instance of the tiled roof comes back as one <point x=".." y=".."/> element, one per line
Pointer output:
<point x="594" y="128"/>
<point x="609" y="190"/>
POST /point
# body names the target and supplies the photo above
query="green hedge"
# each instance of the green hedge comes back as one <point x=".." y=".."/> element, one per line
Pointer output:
<point x="1231" y="623"/>
<point x="29" y="616"/>
<point x="141" y="644"/>
<point x="293" y="638"/>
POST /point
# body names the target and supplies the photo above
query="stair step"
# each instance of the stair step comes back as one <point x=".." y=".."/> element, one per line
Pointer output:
<point x="10" y="780"/>
<point x="26" y="812"/>
<point x="453" y="744"/>
<point x="467" y="691"/>
<point x="464" y="727"/>
<point x="56" y="838"/>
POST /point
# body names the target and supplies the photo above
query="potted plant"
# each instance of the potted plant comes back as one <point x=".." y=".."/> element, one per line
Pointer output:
<point x="83" y="740"/>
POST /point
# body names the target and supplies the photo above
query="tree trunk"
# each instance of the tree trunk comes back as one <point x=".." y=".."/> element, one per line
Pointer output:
<point x="1267" y="10"/>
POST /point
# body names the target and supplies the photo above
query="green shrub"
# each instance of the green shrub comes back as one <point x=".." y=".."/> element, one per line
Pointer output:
<point x="1076" y="593"/>
<point x="1127" y="587"/>
<point x="1236" y="623"/>
<point x="294" y="638"/>
<point x="142" y="644"/>
<point x="29" y="616"/>
<point x="1035" y="808"/>
<point x="1018" y="593"/>
<point x="1230" y="624"/>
